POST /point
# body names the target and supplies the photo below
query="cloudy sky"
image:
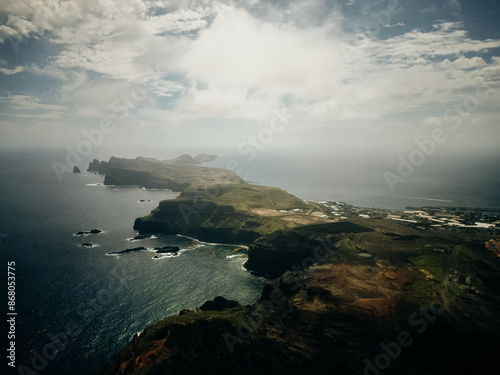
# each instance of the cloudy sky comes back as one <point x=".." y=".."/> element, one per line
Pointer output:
<point x="347" y="75"/>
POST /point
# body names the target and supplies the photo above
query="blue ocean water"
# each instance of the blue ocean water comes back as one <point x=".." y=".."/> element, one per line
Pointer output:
<point x="106" y="299"/>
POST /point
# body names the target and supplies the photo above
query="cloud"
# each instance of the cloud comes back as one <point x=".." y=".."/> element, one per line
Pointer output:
<point x="239" y="50"/>
<point x="9" y="72"/>
<point x="447" y="38"/>
<point x="50" y="71"/>
<point x="396" y="75"/>
<point x="27" y="106"/>
<point x="396" y="24"/>
<point x="200" y="60"/>
<point x="463" y="62"/>
<point x="6" y="32"/>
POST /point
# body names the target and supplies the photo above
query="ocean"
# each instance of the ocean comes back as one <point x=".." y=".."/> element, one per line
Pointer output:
<point x="459" y="181"/>
<point x="104" y="300"/>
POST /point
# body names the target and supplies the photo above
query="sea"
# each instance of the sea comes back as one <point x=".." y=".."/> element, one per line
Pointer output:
<point x="98" y="302"/>
<point x="102" y="300"/>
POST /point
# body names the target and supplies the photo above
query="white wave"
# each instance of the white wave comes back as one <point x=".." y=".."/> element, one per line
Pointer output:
<point x="90" y="247"/>
<point x="236" y="256"/>
<point x="161" y="256"/>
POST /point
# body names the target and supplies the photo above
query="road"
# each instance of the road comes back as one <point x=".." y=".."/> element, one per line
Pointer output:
<point x="451" y="264"/>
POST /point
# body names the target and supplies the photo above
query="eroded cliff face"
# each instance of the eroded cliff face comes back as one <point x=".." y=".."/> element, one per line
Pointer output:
<point x="94" y="166"/>
<point x="212" y="223"/>
<point x="226" y="213"/>
<point x="280" y="251"/>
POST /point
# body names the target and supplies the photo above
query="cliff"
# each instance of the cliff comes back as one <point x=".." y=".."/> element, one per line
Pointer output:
<point x="152" y="173"/>
<point x="279" y="251"/>
<point x="358" y="296"/>
<point x="344" y="314"/>
<point x="94" y="166"/>
<point x="233" y="213"/>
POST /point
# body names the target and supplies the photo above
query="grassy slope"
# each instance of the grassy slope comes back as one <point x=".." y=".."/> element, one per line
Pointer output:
<point x="157" y="174"/>
<point x="230" y="208"/>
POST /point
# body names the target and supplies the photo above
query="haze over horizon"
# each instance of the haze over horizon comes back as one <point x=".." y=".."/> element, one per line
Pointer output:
<point x="355" y="79"/>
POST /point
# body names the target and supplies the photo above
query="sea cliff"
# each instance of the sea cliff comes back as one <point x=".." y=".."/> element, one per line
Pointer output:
<point x="152" y="173"/>
<point x="357" y="296"/>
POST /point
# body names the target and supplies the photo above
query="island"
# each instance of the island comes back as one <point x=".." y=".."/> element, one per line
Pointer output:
<point x="350" y="290"/>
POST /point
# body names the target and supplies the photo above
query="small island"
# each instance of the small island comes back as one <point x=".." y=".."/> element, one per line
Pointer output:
<point x="92" y="231"/>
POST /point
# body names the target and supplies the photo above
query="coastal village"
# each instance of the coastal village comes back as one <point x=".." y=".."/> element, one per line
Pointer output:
<point x="458" y="219"/>
<point x="422" y="218"/>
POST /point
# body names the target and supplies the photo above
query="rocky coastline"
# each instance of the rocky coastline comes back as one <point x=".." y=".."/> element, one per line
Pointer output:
<point x="327" y="308"/>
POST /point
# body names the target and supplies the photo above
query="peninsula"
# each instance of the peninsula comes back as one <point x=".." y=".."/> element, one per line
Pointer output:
<point x="350" y="290"/>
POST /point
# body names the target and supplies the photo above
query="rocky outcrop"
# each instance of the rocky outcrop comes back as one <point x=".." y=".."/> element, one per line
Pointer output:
<point x="76" y="169"/>
<point x="167" y="250"/>
<point x="104" y="167"/>
<point x="100" y="167"/>
<point x="140" y="237"/>
<point x="218" y="304"/>
<point x="92" y="231"/>
<point x="94" y="166"/>
<point x="159" y="250"/>
<point x="141" y="248"/>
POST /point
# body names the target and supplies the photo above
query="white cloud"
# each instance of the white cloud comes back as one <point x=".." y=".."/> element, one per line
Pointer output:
<point x="29" y="107"/>
<point x="7" y="32"/>
<point x="48" y="71"/>
<point x="465" y="63"/>
<point x="446" y="39"/>
<point x="395" y="25"/>
<point x="223" y="61"/>
<point x="405" y="73"/>
<point x="8" y="72"/>
<point x="22" y="26"/>
<point x="257" y="62"/>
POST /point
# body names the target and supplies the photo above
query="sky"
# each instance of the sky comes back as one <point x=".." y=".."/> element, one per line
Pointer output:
<point x="336" y="78"/>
